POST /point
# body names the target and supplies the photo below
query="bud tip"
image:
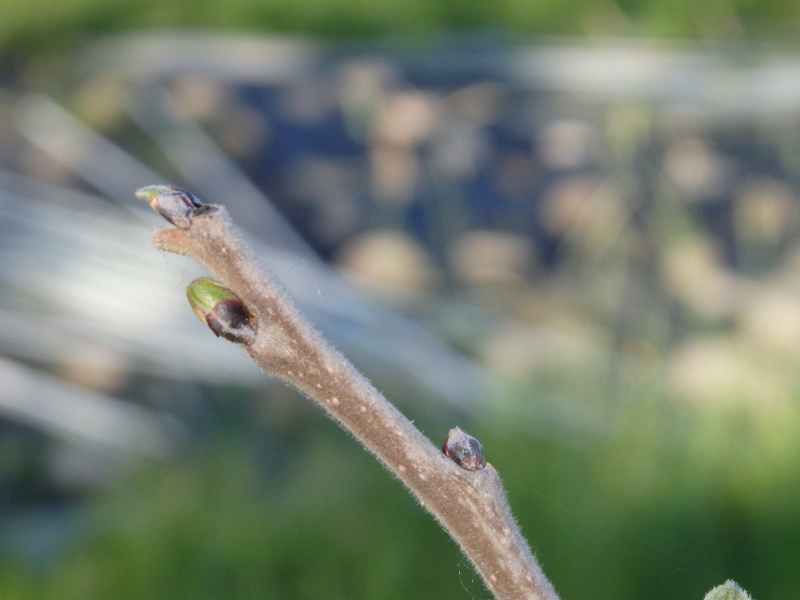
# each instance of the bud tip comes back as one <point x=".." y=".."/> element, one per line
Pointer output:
<point x="151" y="192"/>
<point x="177" y="205"/>
<point x="729" y="590"/>
<point x="464" y="450"/>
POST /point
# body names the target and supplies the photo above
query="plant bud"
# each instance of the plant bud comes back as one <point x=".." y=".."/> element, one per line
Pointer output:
<point x="464" y="450"/>
<point x="220" y="309"/>
<point x="727" y="591"/>
<point x="177" y="205"/>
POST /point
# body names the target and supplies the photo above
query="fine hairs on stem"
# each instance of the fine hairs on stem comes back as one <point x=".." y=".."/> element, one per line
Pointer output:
<point x="246" y="305"/>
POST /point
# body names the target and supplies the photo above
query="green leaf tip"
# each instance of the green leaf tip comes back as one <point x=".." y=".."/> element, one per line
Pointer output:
<point x="220" y="309"/>
<point x="151" y="192"/>
<point x="204" y="293"/>
<point x="175" y="204"/>
<point x="728" y="591"/>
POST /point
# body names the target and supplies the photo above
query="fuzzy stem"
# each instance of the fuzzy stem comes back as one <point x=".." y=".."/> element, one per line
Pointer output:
<point x="470" y="505"/>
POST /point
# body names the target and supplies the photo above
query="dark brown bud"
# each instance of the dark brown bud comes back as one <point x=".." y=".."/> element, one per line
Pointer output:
<point x="464" y="450"/>
<point x="229" y="319"/>
<point x="177" y="205"/>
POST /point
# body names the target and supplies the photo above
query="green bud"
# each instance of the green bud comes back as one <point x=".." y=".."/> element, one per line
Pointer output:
<point x="175" y="204"/>
<point x="220" y="309"/>
<point x="204" y="293"/>
<point x="727" y="591"/>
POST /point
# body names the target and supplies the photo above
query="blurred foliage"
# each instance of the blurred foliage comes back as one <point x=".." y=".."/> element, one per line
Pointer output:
<point x="302" y="512"/>
<point x="50" y="25"/>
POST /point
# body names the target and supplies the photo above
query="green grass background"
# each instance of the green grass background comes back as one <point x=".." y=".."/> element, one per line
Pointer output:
<point x="51" y="25"/>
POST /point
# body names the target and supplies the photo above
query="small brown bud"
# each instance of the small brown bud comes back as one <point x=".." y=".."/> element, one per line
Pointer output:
<point x="229" y="319"/>
<point x="464" y="450"/>
<point x="177" y="205"/>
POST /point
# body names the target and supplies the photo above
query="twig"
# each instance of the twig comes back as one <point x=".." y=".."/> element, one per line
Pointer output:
<point x="249" y="307"/>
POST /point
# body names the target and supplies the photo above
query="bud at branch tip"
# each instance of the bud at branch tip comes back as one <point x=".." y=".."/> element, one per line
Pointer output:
<point x="175" y="204"/>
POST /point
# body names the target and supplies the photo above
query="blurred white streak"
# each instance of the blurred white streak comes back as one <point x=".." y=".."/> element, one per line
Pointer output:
<point x="98" y="161"/>
<point x="77" y="415"/>
<point x="721" y="77"/>
<point x="718" y="79"/>
<point x="257" y="58"/>
<point x="78" y="271"/>
<point x="214" y="176"/>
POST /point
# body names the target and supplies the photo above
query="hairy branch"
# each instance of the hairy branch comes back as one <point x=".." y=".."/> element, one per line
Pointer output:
<point x="461" y="490"/>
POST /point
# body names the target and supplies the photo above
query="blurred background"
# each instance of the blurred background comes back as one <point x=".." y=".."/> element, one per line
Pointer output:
<point x="569" y="228"/>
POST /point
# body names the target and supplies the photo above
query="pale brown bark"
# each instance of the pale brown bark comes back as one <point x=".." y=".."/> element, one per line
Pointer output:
<point x="470" y="504"/>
